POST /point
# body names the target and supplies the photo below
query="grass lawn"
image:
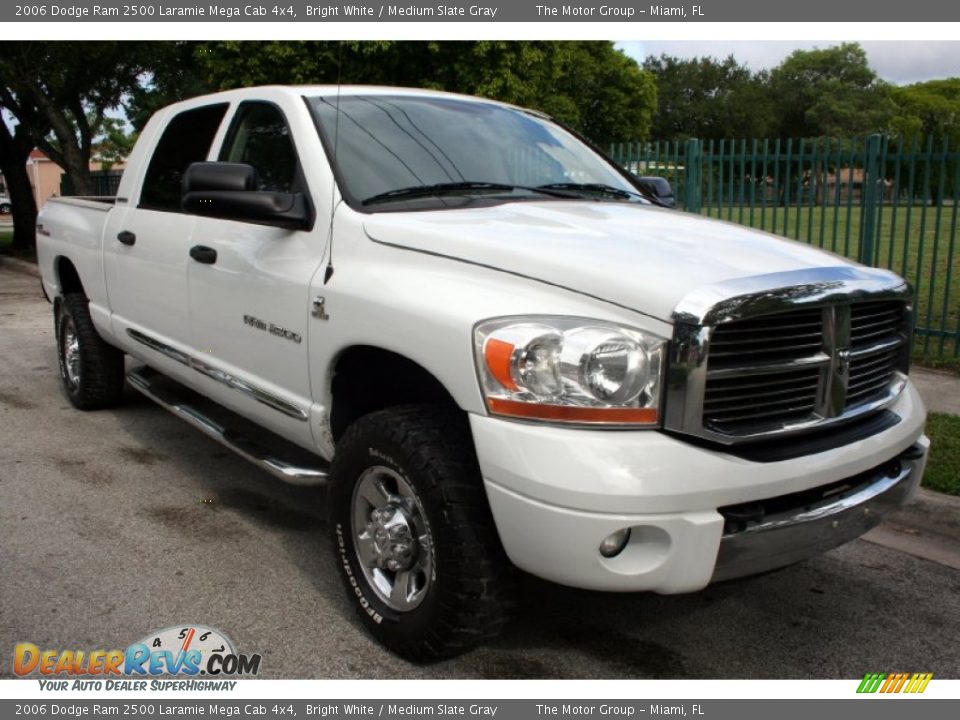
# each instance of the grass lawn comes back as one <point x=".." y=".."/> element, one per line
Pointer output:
<point x="6" y="238"/>
<point x="943" y="467"/>
<point x="918" y="242"/>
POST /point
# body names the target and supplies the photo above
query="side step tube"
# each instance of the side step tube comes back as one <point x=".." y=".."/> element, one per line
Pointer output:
<point x="146" y="381"/>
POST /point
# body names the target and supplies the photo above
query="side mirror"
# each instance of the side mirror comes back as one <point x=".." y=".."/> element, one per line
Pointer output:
<point x="658" y="187"/>
<point x="228" y="190"/>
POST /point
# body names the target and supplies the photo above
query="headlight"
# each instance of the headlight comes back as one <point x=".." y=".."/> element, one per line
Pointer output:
<point x="571" y="370"/>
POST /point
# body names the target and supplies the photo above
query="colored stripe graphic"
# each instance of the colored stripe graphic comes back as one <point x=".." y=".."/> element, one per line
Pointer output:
<point x="894" y="683"/>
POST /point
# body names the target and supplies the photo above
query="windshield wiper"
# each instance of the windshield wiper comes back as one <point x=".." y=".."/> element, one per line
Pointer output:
<point x="590" y="188"/>
<point x="459" y="188"/>
<point x="450" y="188"/>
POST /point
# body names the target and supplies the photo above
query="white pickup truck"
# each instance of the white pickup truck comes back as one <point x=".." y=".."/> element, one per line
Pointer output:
<point x="497" y="352"/>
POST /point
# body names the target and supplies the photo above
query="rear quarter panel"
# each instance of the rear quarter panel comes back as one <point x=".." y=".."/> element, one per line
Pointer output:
<point x="72" y="228"/>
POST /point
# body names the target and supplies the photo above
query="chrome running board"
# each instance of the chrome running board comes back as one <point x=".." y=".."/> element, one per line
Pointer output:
<point x="272" y="453"/>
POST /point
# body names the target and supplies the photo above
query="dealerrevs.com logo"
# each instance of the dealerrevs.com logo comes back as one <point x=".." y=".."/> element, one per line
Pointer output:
<point x="888" y="683"/>
<point x="180" y="651"/>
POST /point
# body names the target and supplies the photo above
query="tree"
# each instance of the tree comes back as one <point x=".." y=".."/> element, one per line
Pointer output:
<point x="113" y="143"/>
<point x="707" y="98"/>
<point x="15" y="148"/>
<point x="829" y="92"/>
<point x="929" y="108"/>
<point x="590" y="86"/>
<point x="65" y="88"/>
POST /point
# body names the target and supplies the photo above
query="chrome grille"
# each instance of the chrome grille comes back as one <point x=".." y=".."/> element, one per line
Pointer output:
<point x="729" y="403"/>
<point x="877" y="331"/>
<point x="767" y="356"/>
<point x="777" y="370"/>
<point x="767" y="338"/>
<point x="875" y="322"/>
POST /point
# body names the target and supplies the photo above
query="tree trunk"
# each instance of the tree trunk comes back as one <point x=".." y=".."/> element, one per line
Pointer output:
<point x="14" y="151"/>
<point x="74" y="164"/>
<point x="24" y="208"/>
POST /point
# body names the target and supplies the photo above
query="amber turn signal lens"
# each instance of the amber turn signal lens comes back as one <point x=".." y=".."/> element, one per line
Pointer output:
<point x="498" y="354"/>
<point x="567" y="413"/>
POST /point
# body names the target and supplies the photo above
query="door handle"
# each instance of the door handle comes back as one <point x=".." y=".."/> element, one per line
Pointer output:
<point x="126" y="237"/>
<point x="203" y="254"/>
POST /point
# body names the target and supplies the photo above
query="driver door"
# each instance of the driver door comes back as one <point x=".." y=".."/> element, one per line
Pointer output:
<point x="249" y="287"/>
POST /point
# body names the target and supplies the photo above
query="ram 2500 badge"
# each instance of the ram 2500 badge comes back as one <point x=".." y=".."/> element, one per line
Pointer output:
<point x="492" y="347"/>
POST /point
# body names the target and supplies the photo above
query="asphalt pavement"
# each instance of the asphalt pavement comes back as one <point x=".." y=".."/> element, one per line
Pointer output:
<point x="116" y="523"/>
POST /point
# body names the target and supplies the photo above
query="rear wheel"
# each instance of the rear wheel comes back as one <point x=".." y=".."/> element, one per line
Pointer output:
<point x="90" y="369"/>
<point x="418" y="550"/>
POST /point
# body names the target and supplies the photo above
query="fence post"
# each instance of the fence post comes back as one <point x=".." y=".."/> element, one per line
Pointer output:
<point x="868" y="215"/>
<point x="693" y="162"/>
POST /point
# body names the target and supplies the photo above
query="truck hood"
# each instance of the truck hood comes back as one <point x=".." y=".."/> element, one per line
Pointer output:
<point x="640" y="257"/>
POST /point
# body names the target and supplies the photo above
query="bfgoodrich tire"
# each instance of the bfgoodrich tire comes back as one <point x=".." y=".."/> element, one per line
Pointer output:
<point x="90" y="369"/>
<point x="415" y="541"/>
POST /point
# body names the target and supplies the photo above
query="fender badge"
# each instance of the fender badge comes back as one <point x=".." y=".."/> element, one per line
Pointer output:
<point x="319" y="311"/>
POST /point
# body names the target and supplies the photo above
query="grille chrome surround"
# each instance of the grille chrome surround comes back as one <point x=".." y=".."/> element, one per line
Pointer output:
<point x="787" y="352"/>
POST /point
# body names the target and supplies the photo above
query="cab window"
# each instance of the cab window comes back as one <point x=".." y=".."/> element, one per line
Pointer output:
<point x="259" y="136"/>
<point x="186" y="139"/>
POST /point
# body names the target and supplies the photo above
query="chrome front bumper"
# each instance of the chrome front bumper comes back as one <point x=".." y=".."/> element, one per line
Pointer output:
<point x="787" y="537"/>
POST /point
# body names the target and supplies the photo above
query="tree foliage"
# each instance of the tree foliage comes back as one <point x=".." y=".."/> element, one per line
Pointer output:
<point x="707" y="98"/>
<point x="66" y="88"/>
<point x="813" y="93"/>
<point x="830" y="92"/>
<point x="590" y="86"/>
<point x="929" y="108"/>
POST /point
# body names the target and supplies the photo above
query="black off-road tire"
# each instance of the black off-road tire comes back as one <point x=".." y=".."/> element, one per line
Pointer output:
<point x="98" y="378"/>
<point x="473" y="587"/>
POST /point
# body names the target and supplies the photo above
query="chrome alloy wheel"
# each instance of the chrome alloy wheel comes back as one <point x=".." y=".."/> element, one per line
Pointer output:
<point x="70" y="352"/>
<point x="392" y="538"/>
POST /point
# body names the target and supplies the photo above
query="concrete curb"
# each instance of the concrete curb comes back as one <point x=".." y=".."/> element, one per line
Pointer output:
<point x="20" y="266"/>
<point x="928" y="527"/>
<point x="940" y="390"/>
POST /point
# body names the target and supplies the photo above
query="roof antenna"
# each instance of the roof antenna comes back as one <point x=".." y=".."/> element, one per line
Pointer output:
<point x="336" y="142"/>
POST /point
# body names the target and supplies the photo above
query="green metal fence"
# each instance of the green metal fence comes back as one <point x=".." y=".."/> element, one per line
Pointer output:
<point x="889" y="202"/>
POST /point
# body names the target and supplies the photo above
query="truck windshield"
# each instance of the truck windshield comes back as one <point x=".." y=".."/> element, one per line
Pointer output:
<point x="398" y="148"/>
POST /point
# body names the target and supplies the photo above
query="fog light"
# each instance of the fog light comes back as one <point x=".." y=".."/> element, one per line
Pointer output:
<point x="614" y="544"/>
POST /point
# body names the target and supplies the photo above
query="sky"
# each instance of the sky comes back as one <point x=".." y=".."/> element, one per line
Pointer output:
<point x="898" y="62"/>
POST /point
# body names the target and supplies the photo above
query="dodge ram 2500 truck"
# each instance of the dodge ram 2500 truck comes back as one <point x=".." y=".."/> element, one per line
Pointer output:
<point x="493" y="348"/>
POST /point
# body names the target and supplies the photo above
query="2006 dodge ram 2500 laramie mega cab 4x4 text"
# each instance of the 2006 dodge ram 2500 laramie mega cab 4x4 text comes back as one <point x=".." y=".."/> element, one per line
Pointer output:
<point x="497" y="351"/>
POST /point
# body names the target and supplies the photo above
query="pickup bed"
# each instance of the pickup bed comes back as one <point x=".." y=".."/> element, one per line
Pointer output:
<point x="490" y="344"/>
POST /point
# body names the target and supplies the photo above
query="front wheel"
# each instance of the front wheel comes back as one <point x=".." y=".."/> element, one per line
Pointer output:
<point x="416" y="544"/>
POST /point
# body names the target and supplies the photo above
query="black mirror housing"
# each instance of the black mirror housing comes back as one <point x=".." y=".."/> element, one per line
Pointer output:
<point x="229" y="191"/>
<point x="203" y="176"/>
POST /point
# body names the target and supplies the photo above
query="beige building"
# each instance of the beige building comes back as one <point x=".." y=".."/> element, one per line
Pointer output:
<point x="45" y="176"/>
